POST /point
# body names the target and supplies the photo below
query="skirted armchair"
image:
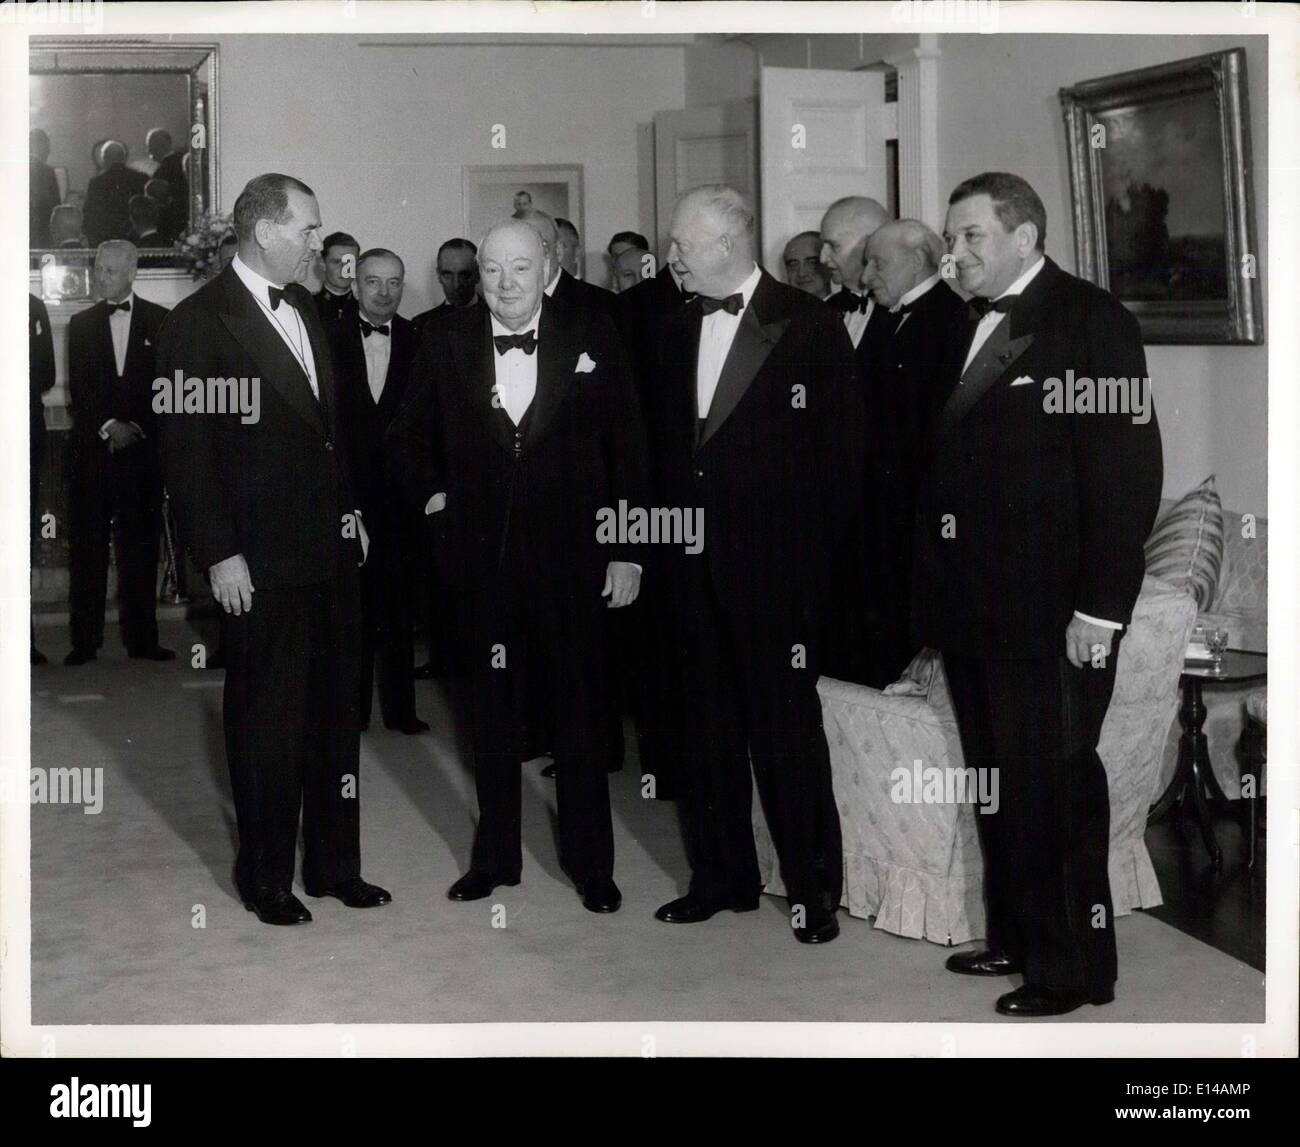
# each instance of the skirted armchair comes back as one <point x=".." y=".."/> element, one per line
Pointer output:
<point x="915" y="865"/>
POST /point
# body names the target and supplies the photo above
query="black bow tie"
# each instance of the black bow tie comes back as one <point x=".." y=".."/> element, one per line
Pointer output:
<point x="847" y="301"/>
<point x="288" y="293"/>
<point x="526" y="342"/>
<point x="981" y="307"/>
<point x="732" y="304"/>
<point x="367" y="330"/>
<point x="113" y="308"/>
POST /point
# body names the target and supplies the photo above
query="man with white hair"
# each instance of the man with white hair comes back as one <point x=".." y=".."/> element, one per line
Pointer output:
<point x="521" y="428"/>
<point x="911" y="366"/>
<point x="108" y="194"/>
<point x="759" y="426"/>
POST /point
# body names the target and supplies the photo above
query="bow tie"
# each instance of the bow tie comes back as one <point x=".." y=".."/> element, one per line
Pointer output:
<point x="732" y="304"/>
<point x="847" y="301"/>
<point x="367" y="330"/>
<point x="526" y="342"/>
<point x="113" y="308"/>
<point x="981" y="307"/>
<point x="288" y="293"/>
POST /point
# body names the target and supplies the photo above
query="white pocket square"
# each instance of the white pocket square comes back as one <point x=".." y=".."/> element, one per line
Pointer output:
<point x="585" y="364"/>
<point x="1023" y="380"/>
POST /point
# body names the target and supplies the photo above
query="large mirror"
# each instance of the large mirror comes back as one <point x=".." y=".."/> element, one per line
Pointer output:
<point x="123" y="142"/>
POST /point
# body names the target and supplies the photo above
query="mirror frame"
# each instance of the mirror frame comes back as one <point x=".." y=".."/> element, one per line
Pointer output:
<point x="197" y="61"/>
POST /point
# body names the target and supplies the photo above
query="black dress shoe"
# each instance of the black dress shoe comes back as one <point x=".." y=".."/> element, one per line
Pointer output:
<point x="355" y="893"/>
<point x="277" y="906"/>
<point x="79" y="657"/>
<point x="819" y="927"/>
<point x="157" y="653"/>
<point x="983" y="962"/>
<point x="1034" y="1000"/>
<point x="410" y="726"/>
<point x="39" y="658"/>
<point x="476" y="884"/>
<point x="601" y="896"/>
<point x="692" y="909"/>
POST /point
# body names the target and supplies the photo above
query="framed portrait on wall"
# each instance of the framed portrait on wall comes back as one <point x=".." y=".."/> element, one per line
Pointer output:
<point x="494" y="193"/>
<point x="1162" y="197"/>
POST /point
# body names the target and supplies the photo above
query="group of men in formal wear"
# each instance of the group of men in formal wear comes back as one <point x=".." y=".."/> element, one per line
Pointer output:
<point x="874" y="473"/>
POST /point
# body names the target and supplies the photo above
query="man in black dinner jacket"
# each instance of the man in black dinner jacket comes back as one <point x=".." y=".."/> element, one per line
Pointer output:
<point x="116" y="478"/>
<point x="522" y="428"/>
<point x="40" y="376"/>
<point x="1030" y="528"/>
<point x="922" y="331"/>
<point x="267" y="506"/>
<point x="372" y="357"/>
<point x="759" y="424"/>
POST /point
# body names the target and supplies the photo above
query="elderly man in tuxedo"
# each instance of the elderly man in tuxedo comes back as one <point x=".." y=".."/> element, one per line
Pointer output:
<point x="759" y="425"/>
<point x="267" y="505"/>
<point x="116" y="480"/>
<point x="522" y="427"/>
<point x="372" y="357"/>
<point x="1030" y="528"/>
<point x="910" y="370"/>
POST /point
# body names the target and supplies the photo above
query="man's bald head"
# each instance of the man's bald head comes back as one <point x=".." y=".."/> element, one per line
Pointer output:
<point x="512" y="267"/>
<point x="545" y="227"/>
<point x="900" y="256"/>
<point x="712" y="232"/>
<point x="112" y="154"/>
<point x="846" y="227"/>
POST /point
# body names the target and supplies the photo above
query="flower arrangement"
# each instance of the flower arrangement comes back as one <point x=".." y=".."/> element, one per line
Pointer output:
<point x="201" y="246"/>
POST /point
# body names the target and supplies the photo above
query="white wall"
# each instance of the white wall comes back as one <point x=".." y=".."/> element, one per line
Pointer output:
<point x="391" y="128"/>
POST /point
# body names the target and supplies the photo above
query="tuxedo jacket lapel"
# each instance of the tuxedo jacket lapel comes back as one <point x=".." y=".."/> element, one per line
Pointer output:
<point x="139" y="356"/>
<point x="754" y="341"/>
<point x="556" y="359"/>
<point x="277" y="364"/>
<point x="475" y="357"/>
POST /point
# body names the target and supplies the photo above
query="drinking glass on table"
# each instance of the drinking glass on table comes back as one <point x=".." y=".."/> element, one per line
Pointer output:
<point x="1216" y="640"/>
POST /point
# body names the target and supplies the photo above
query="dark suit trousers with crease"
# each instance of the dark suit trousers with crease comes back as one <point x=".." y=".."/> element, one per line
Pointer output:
<point x="387" y="636"/>
<point x="292" y="738"/>
<point x="554" y="651"/>
<point x="745" y="702"/>
<point x="1046" y="880"/>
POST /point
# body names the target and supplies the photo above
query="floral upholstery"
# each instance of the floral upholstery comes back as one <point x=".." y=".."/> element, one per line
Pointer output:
<point x="916" y="867"/>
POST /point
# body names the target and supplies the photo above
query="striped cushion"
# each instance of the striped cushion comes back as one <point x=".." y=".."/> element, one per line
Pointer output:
<point x="1186" y="547"/>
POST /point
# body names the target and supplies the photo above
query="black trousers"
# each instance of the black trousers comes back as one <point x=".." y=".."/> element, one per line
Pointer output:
<point x="532" y="644"/>
<point x="746" y="702"/>
<point x="292" y="739"/>
<point x="1046" y="881"/>
<point x="135" y="525"/>
<point x="387" y="632"/>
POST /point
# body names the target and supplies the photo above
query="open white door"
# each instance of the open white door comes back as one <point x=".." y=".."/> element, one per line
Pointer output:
<point x="712" y="144"/>
<point x="822" y="137"/>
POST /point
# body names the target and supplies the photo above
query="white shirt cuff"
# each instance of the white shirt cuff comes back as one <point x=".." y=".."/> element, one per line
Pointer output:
<point x="1098" y="621"/>
<point x="103" y="430"/>
<point x="436" y="503"/>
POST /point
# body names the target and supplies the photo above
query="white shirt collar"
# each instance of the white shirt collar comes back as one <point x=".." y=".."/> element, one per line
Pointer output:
<point x="746" y="289"/>
<point x="549" y="289"/>
<point x="258" y="285"/>
<point x="916" y="292"/>
<point x="499" y="328"/>
<point x="1021" y="283"/>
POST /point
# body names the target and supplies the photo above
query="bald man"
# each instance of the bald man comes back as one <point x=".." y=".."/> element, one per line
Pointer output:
<point x="523" y="425"/>
<point x="759" y="425"/>
<point x="911" y="370"/>
<point x="108" y="194"/>
<point x="845" y="229"/>
<point x="560" y="284"/>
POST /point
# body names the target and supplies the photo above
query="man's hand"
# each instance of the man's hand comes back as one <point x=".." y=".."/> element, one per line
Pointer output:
<point x="436" y="504"/>
<point x="231" y="585"/>
<point x="122" y="434"/>
<point x="1081" y="636"/>
<point x="622" y="584"/>
<point x="365" y="540"/>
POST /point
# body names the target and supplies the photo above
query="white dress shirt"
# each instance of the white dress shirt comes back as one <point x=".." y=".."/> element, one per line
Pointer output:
<point x="855" y="322"/>
<point x="717" y="333"/>
<point x="378" y="350"/>
<point x="989" y="322"/>
<point x="516" y="372"/>
<point x="285" y="319"/>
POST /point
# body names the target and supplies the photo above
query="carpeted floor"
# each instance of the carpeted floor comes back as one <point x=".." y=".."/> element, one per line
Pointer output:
<point x="116" y="897"/>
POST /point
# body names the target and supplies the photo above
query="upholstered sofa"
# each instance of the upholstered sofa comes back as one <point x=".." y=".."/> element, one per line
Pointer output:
<point x="1240" y="606"/>
<point x="916" y="867"/>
